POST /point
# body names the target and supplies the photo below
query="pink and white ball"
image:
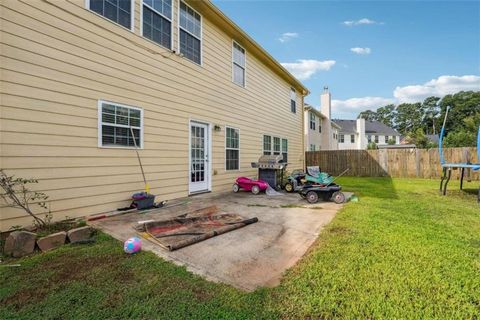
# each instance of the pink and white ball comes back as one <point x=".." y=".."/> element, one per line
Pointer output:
<point x="132" y="245"/>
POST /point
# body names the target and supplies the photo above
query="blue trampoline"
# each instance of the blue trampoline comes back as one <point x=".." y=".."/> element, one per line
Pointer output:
<point x="448" y="167"/>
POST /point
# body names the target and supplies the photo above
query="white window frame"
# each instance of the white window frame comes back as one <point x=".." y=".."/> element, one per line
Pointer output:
<point x="312" y="147"/>
<point x="376" y="139"/>
<point x="341" y="138"/>
<point x="100" y="123"/>
<point x="142" y="3"/>
<point x="244" y="68"/>
<point x="313" y="121"/>
<point x="273" y="145"/>
<point x="352" y="138"/>
<point x="201" y="32"/>
<point x="132" y="17"/>
<point x="225" y="162"/>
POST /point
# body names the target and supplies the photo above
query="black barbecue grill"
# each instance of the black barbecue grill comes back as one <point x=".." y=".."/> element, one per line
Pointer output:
<point x="270" y="169"/>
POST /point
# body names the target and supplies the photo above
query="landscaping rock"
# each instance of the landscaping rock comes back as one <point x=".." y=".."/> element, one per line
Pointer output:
<point x="52" y="241"/>
<point x="20" y="243"/>
<point x="80" y="235"/>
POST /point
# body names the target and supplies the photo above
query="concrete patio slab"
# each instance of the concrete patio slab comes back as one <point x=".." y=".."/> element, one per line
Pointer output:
<point x="250" y="257"/>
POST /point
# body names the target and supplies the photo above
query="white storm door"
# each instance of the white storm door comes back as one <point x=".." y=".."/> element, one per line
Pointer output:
<point x="199" y="158"/>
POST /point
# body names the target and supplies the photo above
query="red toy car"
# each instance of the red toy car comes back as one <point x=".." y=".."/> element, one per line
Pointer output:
<point x="250" y="185"/>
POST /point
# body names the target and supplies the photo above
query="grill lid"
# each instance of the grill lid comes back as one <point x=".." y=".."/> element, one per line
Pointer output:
<point x="270" y="162"/>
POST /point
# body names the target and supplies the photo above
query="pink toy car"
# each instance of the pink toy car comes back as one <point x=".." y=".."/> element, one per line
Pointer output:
<point x="250" y="185"/>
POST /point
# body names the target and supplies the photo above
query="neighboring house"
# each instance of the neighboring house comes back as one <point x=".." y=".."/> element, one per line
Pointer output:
<point x="321" y="133"/>
<point x="357" y="134"/>
<point x="202" y="99"/>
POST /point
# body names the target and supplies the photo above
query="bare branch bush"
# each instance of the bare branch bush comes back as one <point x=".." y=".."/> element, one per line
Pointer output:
<point x="15" y="194"/>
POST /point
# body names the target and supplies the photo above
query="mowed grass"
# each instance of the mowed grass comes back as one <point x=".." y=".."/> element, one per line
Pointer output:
<point x="403" y="251"/>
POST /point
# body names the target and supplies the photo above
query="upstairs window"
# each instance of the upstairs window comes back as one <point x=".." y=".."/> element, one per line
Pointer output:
<point x="119" y="125"/>
<point x="342" y="138"/>
<point x="352" y="138"/>
<point x="267" y="145"/>
<point x="190" y="29"/>
<point x="118" y="11"/>
<point x="293" y="101"/>
<point x="232" y="149"/>
<point x="238" y="64"/>
<point x="313" y="121"/>
<point x="157" y="21"/>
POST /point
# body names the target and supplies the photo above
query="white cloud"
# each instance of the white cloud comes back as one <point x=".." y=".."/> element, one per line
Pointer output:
<point x="287" y="36"/>
<point x="356" y="105"/>
<point x="303" y="69"/>
<point x="358" y="50"/>
<point x="439" y="87"/>
<point x="363" y="21"/>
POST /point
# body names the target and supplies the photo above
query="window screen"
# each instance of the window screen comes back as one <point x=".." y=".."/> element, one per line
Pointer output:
<point x="232" y="149"/>
<point x="117" y="124"/>
<point x="267" y="145"/>
<point x="276" y="145"/>
<point x="285" y="150"/>
<point x="238" y="65"/>
<point x="118" y="11"/>
<point x="293" y="101"/>
<point x="190" y="33"/>
<point x="157" y="25"/>
<point x="313" y="121"/>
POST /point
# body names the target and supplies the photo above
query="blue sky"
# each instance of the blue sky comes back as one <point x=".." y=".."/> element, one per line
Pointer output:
<point x="368" y="53"/>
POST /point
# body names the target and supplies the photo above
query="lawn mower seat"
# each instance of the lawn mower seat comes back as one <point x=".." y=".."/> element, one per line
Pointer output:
<point x="313" y="171"/>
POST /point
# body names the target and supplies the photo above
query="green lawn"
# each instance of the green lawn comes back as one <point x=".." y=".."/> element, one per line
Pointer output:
<point x="401" y="252"/>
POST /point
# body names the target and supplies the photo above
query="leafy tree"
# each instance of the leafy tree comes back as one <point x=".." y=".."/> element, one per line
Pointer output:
<point x="391" y="141"/>
<point x="431" y="111"/>
<point x="408" y="117"/>
<point x="368" y="115"/>
<point x="386" y="115"/>
<point x="371" y="146"/>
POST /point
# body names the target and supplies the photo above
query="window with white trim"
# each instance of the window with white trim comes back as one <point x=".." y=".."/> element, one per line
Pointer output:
<point x="376" y="139"/>
<point x="313" y="121"/>
<point x="118" y="11"/>
<point x="285" y="150"/>
<point x="352" y="138"/>
<point x="276" y="145"/>
<point x="312" y="147"/>
<point x="369" y="138"/>
<point x="342" y="138"/>
<point x="232" y="149"/>
<point x="190" y="28"/>
<point x="293" y="100"/>
<point x="320" y="128"/>
<point x="157" y="21"/>
<point x="119" y="125"/>
<point x="238" y="64"/>
<point x="267" y="145"/>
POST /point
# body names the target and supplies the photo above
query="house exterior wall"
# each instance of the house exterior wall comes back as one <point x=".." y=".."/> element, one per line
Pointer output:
<point x="313" y="136"/>
<point x="59" y="59"/>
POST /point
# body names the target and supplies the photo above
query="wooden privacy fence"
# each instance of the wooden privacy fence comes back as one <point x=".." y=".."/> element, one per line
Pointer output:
<point x="413" y="163"/>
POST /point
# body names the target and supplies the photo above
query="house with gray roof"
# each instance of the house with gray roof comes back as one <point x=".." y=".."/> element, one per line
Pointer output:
<point x="357" y="134"/>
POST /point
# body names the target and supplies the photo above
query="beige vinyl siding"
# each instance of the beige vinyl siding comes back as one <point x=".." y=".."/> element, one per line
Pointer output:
<point x="59" y="59"/>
